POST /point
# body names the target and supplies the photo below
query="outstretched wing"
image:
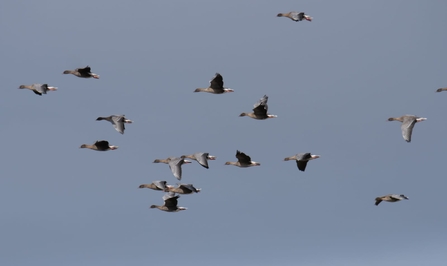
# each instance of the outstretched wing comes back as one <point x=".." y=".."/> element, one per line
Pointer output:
<point x="261" y="107"/>
<point x="217" y="82"/>
<point x="243" y="158"/>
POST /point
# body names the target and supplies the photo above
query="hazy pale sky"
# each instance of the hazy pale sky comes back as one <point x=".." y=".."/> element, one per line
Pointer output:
<point x="333" y="83"/>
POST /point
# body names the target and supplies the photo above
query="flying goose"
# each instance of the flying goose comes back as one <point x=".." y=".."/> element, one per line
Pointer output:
<point x="295" y="16"/>
<point x="216" y="86"/>
<point x="408" y="122"/>
<point x="183" y="189"/>
<point x="82" y="73"/>
<point x="100" y="145"/>
<point x="175" y="164"/>
<point x="260" y="110"/>
<point x="156" y="185"/>
<point x="38" y="89"/>
<point x="117" y="121"/>
<point x="302" y="159"/>
<point x="201" y="157"/>
<point x="243" y="160"/>
<point x="170" y="205"/>
<point x="390" y="198"/>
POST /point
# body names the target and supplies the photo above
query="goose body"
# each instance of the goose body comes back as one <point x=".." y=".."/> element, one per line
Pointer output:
<point x="82" y="73"/>
<point x="38" y="89"/>
<point x="408" y="122"/>
<point x="99" y="145"/>
<point x="183" y="189"/>
<point x="390" y="198"/>
<point x="243" y="160"/>
<point x="295" y="16"/>
<point x="216" y="86"/>
<point x="117" y="121"/>
<point x="201" y="157"/>
<point x="170" y="204"/>
<point x="260" y="110"/>
<point x="156" y="185"/>
<point x="302" y="159"/>
<point x="175" y="164"/>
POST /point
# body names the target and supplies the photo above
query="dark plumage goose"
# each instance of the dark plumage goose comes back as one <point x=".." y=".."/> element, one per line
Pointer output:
<point x="260" y="110"/>
<point x="170" y="203"/>
<point x="408" y="122"/>
<point x="295" y="16"/>
<point x="243" y="160"/>
<point x="175" y="164"/>
<point x="82" y="73"/>
<point x="390" y="198"/>
<point x="183" y="189"/>
<point x="216" y="86"/>
<point x="302" y="159"/>
<point x="156" y="185"/>
<point x="100" y="145"/>
<point x="38" y="89"/>
<point x="201" y="157"/>
<point x="117" y="121"/>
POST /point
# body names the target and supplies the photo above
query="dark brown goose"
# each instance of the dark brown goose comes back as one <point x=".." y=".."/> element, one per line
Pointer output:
<point x="170" y="205"/>
<point x="100" y="145"/>
<point x="82" y="73"/>
<point x="243" y="160"/>
<point x="260" y="110"/>
<point x="216" y="86"/>
<point x="183" y="189"/>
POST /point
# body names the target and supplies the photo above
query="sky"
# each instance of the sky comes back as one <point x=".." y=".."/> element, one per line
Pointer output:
<point x="333" y="83"/>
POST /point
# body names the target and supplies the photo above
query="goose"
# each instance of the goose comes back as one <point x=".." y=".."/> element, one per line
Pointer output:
<point x="201" y="157"/>
<point x="243" y="160"/>
<point x="260" y="110"/>
<point x="408" y="122"/>
<point x="302" y="159"/>
<point x="216" y="86"/>
<point x="183" y="189"/>
<point x="295" y="16"/>
<point x="38" y="89"/>
<point x="100" y="145"/>
<point x="441" y="89"/>
<point x="117" y="121"/>
<point x="175" y="164"/>
<point x="390" y="198"/>
<point x="82" y="73"/>
<point x="170" y="205"/>
<point x="156" y="185"/>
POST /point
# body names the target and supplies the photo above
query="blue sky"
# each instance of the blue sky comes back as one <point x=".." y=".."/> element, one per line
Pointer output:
<point x="333" y="83"/>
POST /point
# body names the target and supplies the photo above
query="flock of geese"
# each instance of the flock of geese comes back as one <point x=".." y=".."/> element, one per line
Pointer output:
<point x="259" y="112"/>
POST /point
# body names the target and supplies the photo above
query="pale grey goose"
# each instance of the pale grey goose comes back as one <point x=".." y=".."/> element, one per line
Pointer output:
<point x="390" y="198"/>
<point x="100" y="145"/>
<point x="156" y="185"/>
<point x="201" y="157"/>
<point x="183" y="189"/>
<point x="170" y="205"/>
<point x="38" y="89"/>
<point x="243" y="160"/>
<point x="260" y="110"/>
<point x="216" y="86"/>
<point x="302" y="159"/>
<point x="117" y="121"/>
<point x="175" y="164"/>
<point x="82" y="73"/>
<point x="408" y="122"/>
<point x="295" y="16"/>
